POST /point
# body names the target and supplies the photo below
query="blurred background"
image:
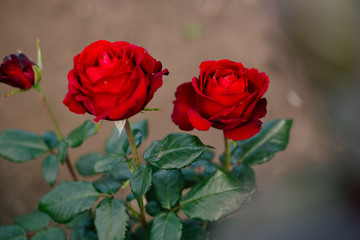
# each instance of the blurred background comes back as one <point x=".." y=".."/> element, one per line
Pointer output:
<point x="309" y="49"/>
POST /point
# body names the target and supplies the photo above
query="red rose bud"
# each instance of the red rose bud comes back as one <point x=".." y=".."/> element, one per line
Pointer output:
<point x="112" y="81"/>
<point x="17" y="71"/>
<point x="226" y="96"/>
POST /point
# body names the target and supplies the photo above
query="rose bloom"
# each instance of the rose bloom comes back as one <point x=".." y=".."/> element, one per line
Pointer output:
<point x="112" y="81"/>
<point x="226" y="96"/>
<point x="17" y="71"/>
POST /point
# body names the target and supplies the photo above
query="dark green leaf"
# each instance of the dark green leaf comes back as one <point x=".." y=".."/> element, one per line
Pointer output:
<point x="12" y="233"/>
<point x="108" y="163"/>
<point x="210" y="168"/>
<point x="120" y="144"/>
<point x="83" y="234"/>
<point x="51" y="139"/>
<point x="85" y="164"/>
<point x="130" y="197"/>
<point x="52" y="233"/>
<point x="111" y="219"/>
<point x="80" y="134"/>
<point x="148" y="151"/>
<point x="176" y="150"/>
<point x="168" y="186"/>
<point x="68" y="199"/>
<point x="152" y="208"/>
<point x="273" y="137"/>
<point x="50" y="169"/>
<point x="20" y="146"/>
<point x="166" y="225"/>
<point x="80" y="221"/>
<point x="190" y="177"/>
<point x="33" y="221"/>
<point x="203" y="200"/>
<point x="107" y="184"/>
<point x="121" y="172"/>
<point x="62" y="151"/>
<point x="206" y="157"/>
<point x="245" y="175"/>
<point x="141" y="181"/>
<point x="192" y="230"/>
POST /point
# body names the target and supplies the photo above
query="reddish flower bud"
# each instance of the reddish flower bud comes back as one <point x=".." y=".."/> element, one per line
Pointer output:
<point x="17" y="71"/>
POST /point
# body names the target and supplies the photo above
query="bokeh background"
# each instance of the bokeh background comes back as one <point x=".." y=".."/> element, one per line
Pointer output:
<point x="309" y="49"/>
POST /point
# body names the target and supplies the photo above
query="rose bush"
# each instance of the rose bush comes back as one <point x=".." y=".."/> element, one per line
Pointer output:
<point x="227" y="96"/>
<point x="112" y="81"/>
<point x="17" y="71"/>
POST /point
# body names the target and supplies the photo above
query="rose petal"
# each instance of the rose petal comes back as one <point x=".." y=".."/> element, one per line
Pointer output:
<point x="73" y="105"/>
<point x="185" y="99"/>
<point x="197" y="121"/>
<point x="245" y="131"/>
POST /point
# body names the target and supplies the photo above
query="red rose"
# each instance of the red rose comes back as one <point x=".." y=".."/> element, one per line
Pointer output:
<point x="226" y="96"/>
<point x="112" y="81"/>
<point x="17" y="71"/>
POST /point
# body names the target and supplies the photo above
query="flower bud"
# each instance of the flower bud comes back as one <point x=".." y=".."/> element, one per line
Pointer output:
<point x="17" y="71"/>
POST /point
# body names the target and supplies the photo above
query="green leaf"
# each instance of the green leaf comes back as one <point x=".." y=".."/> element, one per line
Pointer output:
<point x="121" y="172"/>
<point x="108" y="163"/>
<point x="107" y="184"/>
<point x="190" y="177"/>
<point x="210" y="168"/>
<point x="192" y="230"/>
<point x="83" y="234"/>
<point x="80" y="221"/>
<point x="51" y="139"/>
<point x="245" y="175"/>
<point x="111" y="219"/>
<point x="120" y="144"/>
<point x="166" y="225"/>
<point x="12" y="233"/>
<point x="148" y="151"/>
<point x="214" y="198"/>
<point x="168" y="186"/>
<point x="152" y="208"/>
<point x="204" y="159"/>
<point x="273" y="137"/>
<point x="62" y="151"/>
<point x="80" y="134"/>
<point x="141" y="181"/>
<point x="20" y="146"/>
<point x="176" y="150"/>
<point x="85" y="164"/>
<point x="68" y="199"/>
<point x="52" y="233"/>
<point x="50" y="169"/>
<point x="33" y="221"/>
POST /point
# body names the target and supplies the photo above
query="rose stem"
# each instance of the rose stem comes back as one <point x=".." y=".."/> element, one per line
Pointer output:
<point x="136" y="160"/>
<point x="57" y="129"/>
<point x="227" y="154"/>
